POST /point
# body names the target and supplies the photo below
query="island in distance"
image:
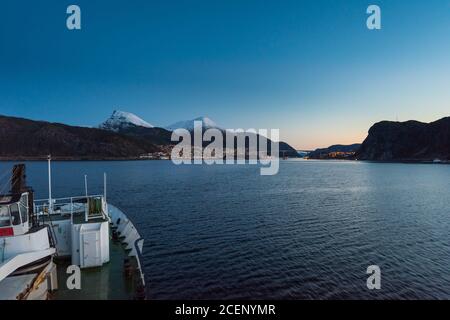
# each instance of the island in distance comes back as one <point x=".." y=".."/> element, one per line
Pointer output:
<point x="410" y="141"/>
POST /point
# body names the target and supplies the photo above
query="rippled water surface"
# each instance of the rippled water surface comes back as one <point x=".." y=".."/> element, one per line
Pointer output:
<point x="310" y="232"/>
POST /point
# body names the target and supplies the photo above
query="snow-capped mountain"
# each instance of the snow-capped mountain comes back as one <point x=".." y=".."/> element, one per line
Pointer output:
<point x="121" y="119"/>
<point x="207" y="123"/>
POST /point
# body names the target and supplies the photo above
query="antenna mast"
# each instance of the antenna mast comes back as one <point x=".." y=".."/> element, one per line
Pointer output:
<point x="85" y="186"/>
<point x="50" y="204"/>
<point x="104" y="185"/>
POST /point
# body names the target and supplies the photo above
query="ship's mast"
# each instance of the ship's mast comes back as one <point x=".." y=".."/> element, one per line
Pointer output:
<point x="104" y="185"/>
<point x="104" y="193"/>
<point x="85" y="186"/>
<point x="50" y="204"/>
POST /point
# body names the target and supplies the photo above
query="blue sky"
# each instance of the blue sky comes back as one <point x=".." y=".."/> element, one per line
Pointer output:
<point x="310" y="68"/>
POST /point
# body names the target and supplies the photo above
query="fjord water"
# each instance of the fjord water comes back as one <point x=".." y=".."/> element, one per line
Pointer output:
<point x="310" y="232"/>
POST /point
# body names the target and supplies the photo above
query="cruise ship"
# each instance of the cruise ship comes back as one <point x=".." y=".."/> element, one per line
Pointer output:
<point x="79" y="247"/>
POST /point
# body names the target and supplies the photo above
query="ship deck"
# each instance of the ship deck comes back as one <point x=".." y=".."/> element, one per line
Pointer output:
<point x="111" y="281"/>
<point x="102" y="283"/>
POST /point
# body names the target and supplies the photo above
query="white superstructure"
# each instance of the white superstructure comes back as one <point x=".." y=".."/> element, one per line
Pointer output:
<point x="36" y="235"/>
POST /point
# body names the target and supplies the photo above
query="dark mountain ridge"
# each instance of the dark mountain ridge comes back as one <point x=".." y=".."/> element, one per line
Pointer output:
<point x="407" y="141"/>
<point x="27" y="139"/>
<point x="159" y="136"/>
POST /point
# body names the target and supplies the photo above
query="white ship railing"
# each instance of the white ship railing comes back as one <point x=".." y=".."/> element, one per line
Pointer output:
<point x="73" y="205"/>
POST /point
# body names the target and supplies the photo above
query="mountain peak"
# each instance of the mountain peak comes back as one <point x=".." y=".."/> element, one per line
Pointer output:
<point x="122" y="119"/>
<point x="189" y="124"/>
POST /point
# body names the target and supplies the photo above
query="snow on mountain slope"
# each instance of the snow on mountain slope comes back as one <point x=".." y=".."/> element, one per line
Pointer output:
<point x="207" y="123"/>
<point x="122" y="119"/>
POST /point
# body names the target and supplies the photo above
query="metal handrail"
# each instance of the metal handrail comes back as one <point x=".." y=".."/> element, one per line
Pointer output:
<point x="140" y="258"/>
<point x="42" y="206"/>
<point x="68" y="198"/>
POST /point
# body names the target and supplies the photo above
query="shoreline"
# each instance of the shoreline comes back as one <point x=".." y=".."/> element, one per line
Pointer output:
<point x="405" y="161"/>
<point x="94" y="159"/>
<point x="69" y="159"/>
